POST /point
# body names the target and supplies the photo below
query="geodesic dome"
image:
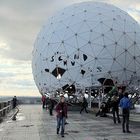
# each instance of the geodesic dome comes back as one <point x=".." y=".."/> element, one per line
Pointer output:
<point x="85" y="42"/>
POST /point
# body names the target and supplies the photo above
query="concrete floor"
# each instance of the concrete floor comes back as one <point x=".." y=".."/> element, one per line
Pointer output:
<point x="33" y="123"/>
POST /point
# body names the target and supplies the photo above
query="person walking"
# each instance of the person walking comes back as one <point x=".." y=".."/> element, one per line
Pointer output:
<point x="51" y="106"/>
<point x="125" y="104"/>
<point x="46" y="102"/>
<point x="115" y="107"/>
<point x="43" y="101"/>
<point x="84" y="105"/>
<point x="61" y="110"/>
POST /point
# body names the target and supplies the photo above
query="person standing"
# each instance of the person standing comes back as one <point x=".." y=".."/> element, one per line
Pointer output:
<point x="51" y="106"/>
<point x="120" y="93"/>
<point x="43" y="101"/>
<point x="125" y="104"/>
<point x="14" y="102"/>
<point x="84" y="105"/>
<point x="115" y="107"/>
<point x="61" y="110"/>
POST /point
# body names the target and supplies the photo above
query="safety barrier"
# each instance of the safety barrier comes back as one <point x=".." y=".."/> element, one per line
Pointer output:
<point x="5" y="108"/>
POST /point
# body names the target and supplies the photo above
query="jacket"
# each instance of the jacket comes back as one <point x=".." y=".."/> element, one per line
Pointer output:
<point x="61" y="112"/>
<point x="84" y="103"/>
<point x="125" y="103"/>
<point x="115" y="102"/>
<point x="51" y="104"/>
<point x="43" y="98"/>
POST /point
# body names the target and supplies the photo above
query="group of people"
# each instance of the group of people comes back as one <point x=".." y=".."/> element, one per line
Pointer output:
<point x="49" y="103"/>
<point x="124" y="102"/>
<point x="117" y="101"/>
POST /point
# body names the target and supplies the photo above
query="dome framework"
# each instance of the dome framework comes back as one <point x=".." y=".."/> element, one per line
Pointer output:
<point x="85" y="42"/>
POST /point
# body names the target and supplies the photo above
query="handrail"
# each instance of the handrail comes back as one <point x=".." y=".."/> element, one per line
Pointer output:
<point x="5" y="108"/>
<point x="14" y="116"/>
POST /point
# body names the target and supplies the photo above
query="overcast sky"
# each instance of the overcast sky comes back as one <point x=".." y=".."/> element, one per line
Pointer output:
<point x="20" y="22"/>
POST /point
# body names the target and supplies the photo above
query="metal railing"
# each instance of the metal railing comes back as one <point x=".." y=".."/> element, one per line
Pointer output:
<point x="5" y="108"/>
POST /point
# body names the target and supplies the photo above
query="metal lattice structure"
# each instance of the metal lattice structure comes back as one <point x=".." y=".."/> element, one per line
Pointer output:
<point x="85" y="42"/>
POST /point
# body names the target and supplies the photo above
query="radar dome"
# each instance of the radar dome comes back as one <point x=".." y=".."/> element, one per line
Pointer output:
<point x="85" y="42"/>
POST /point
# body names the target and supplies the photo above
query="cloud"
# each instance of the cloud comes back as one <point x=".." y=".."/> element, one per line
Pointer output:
<point x="20" y="21"/>
<point x="5" y="75"/>
<point x="17" y="76"/>
<point x="134" y="13"/>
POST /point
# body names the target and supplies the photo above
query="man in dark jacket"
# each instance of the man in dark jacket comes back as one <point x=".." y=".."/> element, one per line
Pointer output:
<point x="61" y="110"/>
<point x="125" y="104"/>
<point x="14" y="102"/>
<point x="51" y="106"/>
<point x="84" y="105"/>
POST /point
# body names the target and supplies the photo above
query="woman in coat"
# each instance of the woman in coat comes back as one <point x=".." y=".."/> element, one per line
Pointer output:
<point x="61" y="110"/>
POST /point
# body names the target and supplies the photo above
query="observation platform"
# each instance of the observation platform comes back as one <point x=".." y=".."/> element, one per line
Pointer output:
<point x="34" y="123"/>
